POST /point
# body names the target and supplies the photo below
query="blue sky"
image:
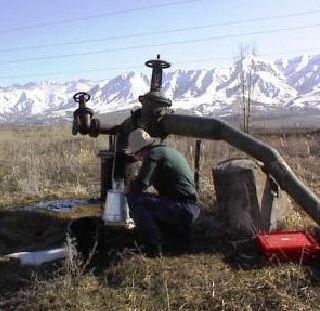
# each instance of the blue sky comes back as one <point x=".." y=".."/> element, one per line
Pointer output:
<point x="26" y="25"/>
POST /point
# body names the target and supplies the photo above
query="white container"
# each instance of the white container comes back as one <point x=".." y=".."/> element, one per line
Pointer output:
<point x="116" y="210"/>
<point x="113" y="207"/>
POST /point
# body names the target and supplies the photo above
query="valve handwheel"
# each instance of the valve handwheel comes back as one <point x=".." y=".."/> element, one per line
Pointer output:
<point x="77" y="96"/>
<point x="157" y="63"/>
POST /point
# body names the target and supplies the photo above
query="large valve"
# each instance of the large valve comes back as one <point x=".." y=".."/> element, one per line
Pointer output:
<point x="157" y="65"/>
<point x="83" y="115"/>
<point x="154" y="104"/>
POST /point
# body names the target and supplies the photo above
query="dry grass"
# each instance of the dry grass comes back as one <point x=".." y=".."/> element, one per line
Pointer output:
<point x="39" y="163"/>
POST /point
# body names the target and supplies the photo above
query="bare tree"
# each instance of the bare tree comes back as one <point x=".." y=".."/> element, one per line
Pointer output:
<point x="247" y="81"/>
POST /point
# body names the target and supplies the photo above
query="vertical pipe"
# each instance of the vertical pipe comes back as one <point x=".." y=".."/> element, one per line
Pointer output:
<point x="106" y="163"/>
<point x="120" y="144"/>
<point x="121" y="168"/>
<point x="111" y="142"/>
<point x="197" y="155"/>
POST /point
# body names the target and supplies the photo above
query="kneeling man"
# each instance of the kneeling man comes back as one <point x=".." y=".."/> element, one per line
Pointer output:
<point x="168" y="172"/>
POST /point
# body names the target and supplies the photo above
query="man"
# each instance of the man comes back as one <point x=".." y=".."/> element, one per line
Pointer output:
<point x="168" y="172"/>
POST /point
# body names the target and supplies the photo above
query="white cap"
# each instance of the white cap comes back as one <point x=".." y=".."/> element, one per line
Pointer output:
<point x="139" y="139"/>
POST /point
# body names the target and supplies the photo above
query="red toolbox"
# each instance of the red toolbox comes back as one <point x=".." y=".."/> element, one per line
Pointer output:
<point x="288" y="246"/>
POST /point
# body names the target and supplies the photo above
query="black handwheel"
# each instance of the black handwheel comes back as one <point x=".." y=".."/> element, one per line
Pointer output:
<point x="157" y="63"/>
<point x="76" y="97"/>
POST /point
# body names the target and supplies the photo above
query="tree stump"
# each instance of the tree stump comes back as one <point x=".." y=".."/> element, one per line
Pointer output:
<point x="249" y="199"/>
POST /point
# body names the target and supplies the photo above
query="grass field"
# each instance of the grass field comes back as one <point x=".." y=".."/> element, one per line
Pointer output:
<point x="43" y="163"/>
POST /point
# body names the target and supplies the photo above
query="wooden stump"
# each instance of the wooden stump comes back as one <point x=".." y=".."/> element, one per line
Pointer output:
<point x="248" y="198"/>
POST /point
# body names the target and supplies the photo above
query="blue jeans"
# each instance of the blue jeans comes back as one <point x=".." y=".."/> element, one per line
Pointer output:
<point x="150" y="211"/>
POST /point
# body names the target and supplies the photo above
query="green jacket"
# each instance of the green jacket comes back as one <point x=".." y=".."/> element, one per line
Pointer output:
<point x="167" y="171"/>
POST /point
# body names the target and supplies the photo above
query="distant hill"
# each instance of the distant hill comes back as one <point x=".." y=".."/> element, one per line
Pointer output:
<point x="283" y="86"/>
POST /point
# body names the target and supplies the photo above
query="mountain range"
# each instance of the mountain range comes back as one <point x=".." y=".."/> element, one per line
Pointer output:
<point x="291" y="84"/>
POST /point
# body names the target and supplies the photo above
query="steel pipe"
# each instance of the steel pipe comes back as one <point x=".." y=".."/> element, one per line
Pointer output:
<point x="274" y="164"/>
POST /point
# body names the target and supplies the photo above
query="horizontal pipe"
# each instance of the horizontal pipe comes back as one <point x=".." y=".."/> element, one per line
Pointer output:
<point x="197" y="127"/>
<point x="274" y="164"/>
<point x="98" y="127"/>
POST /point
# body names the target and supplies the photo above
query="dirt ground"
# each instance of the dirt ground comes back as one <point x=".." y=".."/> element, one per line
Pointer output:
<point x="214" y="273"/>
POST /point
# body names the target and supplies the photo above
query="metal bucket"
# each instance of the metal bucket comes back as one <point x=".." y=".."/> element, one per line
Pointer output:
<point x="116" y="209"/>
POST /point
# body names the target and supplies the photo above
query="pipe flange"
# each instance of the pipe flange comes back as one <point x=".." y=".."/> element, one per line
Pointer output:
<point x="94" y="128"/>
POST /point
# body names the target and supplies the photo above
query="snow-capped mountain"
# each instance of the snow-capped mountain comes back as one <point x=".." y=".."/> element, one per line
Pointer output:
<point x="282" y="84"/>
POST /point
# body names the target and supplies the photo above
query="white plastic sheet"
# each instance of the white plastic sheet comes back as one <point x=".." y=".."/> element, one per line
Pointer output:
<point x="39" y="257"/>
